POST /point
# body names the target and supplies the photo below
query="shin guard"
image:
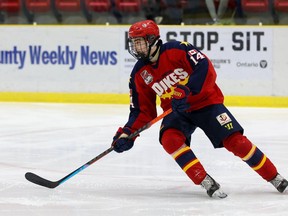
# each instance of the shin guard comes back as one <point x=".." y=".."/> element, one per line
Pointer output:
<point x="240" y="146"/>
<point x="173" y="142"/>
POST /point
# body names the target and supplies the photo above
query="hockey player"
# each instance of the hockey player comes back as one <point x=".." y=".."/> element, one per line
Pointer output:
<point x="184" y="79"/>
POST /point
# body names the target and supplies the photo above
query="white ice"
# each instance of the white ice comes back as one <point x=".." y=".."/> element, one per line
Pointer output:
<point x="52" y="140"/>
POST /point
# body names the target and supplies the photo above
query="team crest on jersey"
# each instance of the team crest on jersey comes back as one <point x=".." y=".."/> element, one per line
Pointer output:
<point x="223" y="119"/>
<point x="148" y="78"/>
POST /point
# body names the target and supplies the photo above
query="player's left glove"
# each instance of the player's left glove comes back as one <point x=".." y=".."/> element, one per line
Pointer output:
<point x="179" y="101"/>
<point x="121" y="142"/>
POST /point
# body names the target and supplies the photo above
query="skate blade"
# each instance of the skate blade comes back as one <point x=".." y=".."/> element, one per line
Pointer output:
<point x="219" y="194"/>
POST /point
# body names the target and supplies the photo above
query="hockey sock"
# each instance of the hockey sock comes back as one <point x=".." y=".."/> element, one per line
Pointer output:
<point x="240" y="146"/>
<point x="173" y="142"/>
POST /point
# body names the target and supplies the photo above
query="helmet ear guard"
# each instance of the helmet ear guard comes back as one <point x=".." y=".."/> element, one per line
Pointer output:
<point x="152" y="39"/>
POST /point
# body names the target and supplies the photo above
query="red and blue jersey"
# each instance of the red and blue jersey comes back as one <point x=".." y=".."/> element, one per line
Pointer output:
<point x="178" y="63"/>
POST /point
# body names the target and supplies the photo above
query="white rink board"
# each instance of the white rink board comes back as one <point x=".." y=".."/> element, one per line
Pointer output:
<point x="94" y="59"/>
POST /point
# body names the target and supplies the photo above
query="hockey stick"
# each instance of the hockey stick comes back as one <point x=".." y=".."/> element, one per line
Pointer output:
<point x="53" y="184"/>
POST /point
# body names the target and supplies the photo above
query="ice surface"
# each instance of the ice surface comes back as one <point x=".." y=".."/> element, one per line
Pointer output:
<point x="53" y="140"/>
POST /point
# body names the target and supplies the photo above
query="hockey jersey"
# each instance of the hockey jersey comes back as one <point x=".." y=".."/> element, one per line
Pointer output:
<point x="178" y="63"/>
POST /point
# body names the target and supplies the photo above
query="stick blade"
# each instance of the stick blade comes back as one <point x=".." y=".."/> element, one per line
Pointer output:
<point x="40" y="181"/>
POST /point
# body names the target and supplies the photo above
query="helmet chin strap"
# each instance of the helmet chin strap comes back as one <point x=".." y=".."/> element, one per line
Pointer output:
<point x="152" y="55"/>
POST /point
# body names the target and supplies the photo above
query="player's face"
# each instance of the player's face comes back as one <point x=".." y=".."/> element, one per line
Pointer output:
<point x="140" y="46"/>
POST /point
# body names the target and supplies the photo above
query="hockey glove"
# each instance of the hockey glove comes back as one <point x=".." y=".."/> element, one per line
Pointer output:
<point x="120" y="141"/>
<point x="179" y="102"/>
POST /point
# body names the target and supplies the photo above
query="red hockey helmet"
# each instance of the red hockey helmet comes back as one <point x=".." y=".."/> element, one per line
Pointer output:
<point x="147" y="30"/>
<point x="143" y="29"/>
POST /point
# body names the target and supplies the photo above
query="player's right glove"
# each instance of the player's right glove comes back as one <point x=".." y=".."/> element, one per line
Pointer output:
<point x="121" y="142"/>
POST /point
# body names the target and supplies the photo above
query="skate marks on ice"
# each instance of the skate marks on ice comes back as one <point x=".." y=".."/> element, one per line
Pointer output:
<point x="54" y="139"/>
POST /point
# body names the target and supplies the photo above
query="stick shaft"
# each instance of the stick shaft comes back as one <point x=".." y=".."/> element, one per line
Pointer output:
<point x="98" y="157"/>
<point x="50" y="184"/>
<point x="148" y="125"/>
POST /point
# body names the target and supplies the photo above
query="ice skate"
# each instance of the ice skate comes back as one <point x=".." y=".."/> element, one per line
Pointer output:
<point x="279" y="183"/>
<point x="212" y="187"/>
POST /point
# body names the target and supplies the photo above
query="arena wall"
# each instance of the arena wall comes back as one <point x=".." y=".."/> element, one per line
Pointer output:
<point x="91" y="64"/>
